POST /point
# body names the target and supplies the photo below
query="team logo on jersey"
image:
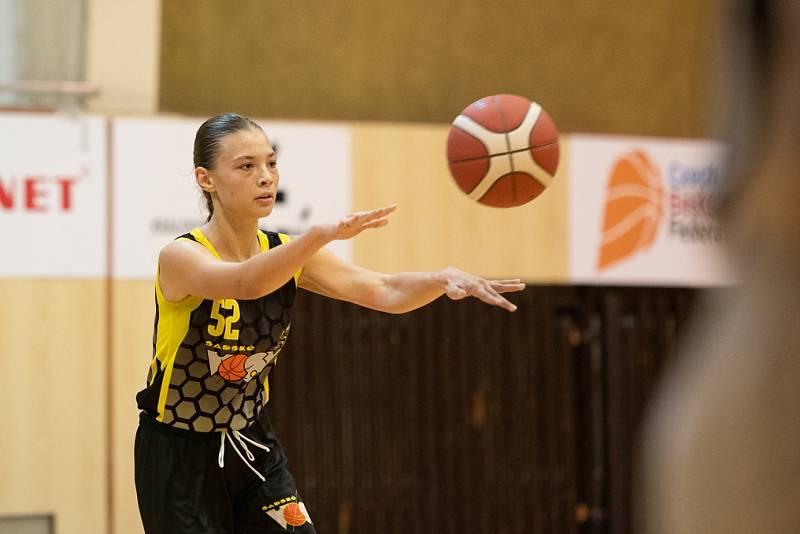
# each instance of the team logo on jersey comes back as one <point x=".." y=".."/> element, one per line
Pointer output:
<point x="242" y="367"/>
<point x="288" y="512"/>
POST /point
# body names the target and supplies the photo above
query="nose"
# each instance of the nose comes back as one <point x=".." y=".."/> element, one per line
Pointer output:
<point x="265" y="177"/>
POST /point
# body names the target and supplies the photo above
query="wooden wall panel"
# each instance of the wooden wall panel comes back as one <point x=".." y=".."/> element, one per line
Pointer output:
<point x="462" y="418"/>
<point x="454" y="418"/>
<point x="132" y="336"/>
<point x="436" y="225"/>
<point x="122" y="49"/>
<point x="614" y="67"/>
<point x="640" y="335"/>
<point x="53" y="338"/>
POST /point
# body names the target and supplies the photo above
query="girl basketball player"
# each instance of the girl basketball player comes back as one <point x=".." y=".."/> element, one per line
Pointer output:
<point x="207" y="458"/>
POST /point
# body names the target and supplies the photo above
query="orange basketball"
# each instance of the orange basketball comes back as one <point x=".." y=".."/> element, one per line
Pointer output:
<point x="294" y="515"/>
<point x="503" y="150"/>
<point x="232" y="368"/>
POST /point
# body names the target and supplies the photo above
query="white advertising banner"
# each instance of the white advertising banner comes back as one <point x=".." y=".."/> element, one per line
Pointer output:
<point x="156" y="197"/>
<point x="641" y="212"/>
<point x="52" y="196"/>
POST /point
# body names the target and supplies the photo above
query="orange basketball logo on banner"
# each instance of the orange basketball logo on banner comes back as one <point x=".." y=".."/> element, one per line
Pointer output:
<point x="633" y="208"/>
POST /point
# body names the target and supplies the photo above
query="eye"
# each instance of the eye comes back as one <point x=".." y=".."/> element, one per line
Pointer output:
<point x="272" y="164"/>
<point x="247" y="166"/>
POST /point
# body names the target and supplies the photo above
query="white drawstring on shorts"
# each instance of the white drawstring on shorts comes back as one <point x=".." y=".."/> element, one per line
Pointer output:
<point x="241" y="438"/>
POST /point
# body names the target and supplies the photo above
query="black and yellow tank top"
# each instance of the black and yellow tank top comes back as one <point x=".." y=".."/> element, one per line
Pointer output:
<point x="212" y="358"/>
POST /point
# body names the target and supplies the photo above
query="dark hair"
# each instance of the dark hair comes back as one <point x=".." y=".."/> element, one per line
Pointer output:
<point x="208" y="139"/>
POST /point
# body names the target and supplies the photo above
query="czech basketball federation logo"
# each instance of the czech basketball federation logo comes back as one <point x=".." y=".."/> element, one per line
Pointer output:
<point x="634" y="209"/>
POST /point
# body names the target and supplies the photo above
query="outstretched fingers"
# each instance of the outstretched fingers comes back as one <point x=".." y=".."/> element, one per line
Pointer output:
<point x="489" y="295"/>
<point x="507" y="286"/>
<point x="379" y="213"/>
<point x="461" y="285"/>
<point x="482" y="290"/>
<point x="376" y="223"/>
<point x="355" y="223"/>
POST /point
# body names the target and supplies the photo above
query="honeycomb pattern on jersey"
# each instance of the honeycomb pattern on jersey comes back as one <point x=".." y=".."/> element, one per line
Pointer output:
<point x="203" y="401"/>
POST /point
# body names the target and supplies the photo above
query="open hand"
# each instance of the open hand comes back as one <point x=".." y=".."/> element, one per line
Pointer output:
<point x="459" y="285"/>
<point x="355" y="223"/>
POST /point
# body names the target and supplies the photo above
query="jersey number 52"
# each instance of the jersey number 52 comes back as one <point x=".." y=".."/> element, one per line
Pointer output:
<point x="224" y="323"/>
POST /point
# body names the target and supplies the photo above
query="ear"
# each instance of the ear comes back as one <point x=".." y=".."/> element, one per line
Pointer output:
<point x="204" y="179"/>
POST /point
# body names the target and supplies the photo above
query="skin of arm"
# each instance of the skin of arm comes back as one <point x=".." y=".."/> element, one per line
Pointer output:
<point x="400" y="292"/>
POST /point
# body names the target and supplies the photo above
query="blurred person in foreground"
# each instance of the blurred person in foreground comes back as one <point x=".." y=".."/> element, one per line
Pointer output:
<point x="722" y="442"/>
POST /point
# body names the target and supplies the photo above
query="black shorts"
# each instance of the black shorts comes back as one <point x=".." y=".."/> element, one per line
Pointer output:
<point x="182" y="489"/>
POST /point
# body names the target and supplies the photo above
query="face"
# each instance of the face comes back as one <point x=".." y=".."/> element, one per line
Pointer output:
<point x="244" y="180"/>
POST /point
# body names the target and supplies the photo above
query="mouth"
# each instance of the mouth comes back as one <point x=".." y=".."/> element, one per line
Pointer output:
<point x="266" y="197"/>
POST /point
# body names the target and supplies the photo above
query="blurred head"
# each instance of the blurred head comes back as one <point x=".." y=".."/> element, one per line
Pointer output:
<point x="235" y="166"/>
<point x="764" y="120"/>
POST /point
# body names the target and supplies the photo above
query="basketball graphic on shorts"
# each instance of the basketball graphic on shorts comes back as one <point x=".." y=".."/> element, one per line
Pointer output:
<point x="232" y="368"/>
<point x="294" y="515"/>
<point x="633" y="209"/>
<point x="503" y="150"/>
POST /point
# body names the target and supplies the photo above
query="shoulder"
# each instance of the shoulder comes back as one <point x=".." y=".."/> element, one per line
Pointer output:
<point x="180" y="261"/>
<point x="184" y="248"/>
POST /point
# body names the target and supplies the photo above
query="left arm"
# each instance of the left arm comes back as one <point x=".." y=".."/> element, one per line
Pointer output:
<point x="327" y="275"/>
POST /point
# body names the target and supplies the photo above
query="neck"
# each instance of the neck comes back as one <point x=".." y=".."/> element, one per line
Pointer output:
<point x="234" y="239"/>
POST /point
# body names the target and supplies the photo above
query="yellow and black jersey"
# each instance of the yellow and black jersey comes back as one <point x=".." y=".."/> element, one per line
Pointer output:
<point x="212" y="358"/>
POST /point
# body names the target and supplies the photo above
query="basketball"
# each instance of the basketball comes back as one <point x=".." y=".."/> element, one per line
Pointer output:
<point x="503" y="150"/>
<point x="294" y="515"/>
<point x="232" y="369"/>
